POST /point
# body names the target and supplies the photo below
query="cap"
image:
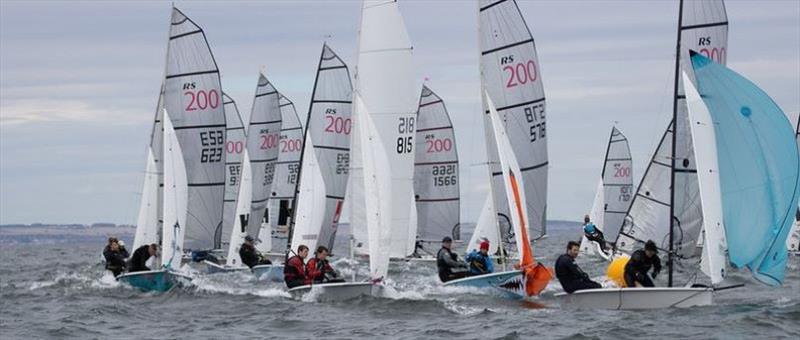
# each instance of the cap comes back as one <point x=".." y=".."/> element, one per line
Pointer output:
<point x="249" y="238"/>
<point x="447" y="239"/>
<point x="485" y="245"/>
<point x="650" y="245"/>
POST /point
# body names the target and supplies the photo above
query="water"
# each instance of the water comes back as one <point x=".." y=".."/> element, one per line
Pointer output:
<point x="56" y="289"/>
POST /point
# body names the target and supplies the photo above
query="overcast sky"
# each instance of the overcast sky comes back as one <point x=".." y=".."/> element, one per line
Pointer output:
<point x="79" y="83"/>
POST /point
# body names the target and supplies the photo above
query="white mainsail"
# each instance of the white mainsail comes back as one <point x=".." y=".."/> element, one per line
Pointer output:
<point x="234" y="151"/>
<point x="147" y="221"/>
<point x="176" y="192"/>
<point x="705" y="148"/>
<point x="704" y="28"/>
<point x="263" y="136"/>
<point x="242" y="213"/>
<point x="287" y="167"/>
<point x="385" y="83"/>
<point x="436" y="183"/>
<point x="193" y="97"/>
<point x="487" y="229"/>
<point x="326" y="159"/>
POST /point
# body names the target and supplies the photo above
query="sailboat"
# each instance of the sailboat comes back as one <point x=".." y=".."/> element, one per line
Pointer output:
<point x="193" y="158"/>
<point x="436" y="183"/>
<point x="614" y="193"/>
<point x="325" y="157"/>
<point x="516" y="148"/>
<point x="793" y="241"/>
<point x="746" y="212"/>
<point x="263" y="147"/>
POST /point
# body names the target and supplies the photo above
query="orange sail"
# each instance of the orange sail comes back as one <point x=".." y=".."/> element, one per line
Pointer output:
<point x="537" y="276"/>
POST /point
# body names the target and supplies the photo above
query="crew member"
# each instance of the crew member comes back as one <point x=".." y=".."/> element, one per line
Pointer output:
<point x="115" y="255"/>
<point x="249" y="255"/>
<point x="138" y="262"/>
<point x="571" y="276"/>
<point x="637" y="267"/>
<point x="479" y="260"/>
<point x="294" y="272"/>
<point x="319" y="269"/>
<point x="593" y="233"/>
<point x="450" y="268"/>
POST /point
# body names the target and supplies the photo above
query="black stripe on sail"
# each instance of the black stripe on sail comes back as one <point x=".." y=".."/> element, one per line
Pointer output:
<point x="266" y="94"/>
<point x="681" y="96"/>
<point x="653" y="199"/>
<point x="617" y="159"/>
<point x="179" y="22"/>
<point x="184" y="34"/>
<point x="286" y="162"/>
<point x="235" y="128"/>
<point x="260" y="201"/>
<point x="491" y="5"/>
<point x="292" y="129"/>
<point x="436" y="128"/>
<point x="517" y="105"/>
<point x="229" y="200"/>
<point x="496" y="49"/>
<point x="617" y="185"/>
<point x="431" y="103"/>
<point x="334" y="197"/>
<point x="691" y="171"/>
<point x="437" y="199"/>
<point x="619" y="140"/>
<point x="615" y="212"/>
<point x="191" y="74"/>
<point x="662" y="164"/>
<point x="287" y="104"/>
<point x="266" y="122"/>
<point x="264" y="160"/>
<point x="332" y="101"/>
<point x="331" y="148"/>
<point x="199" y="126"/>
<point x="436" y="163"/>
<point x="711" y="24"/>
<point x="206" y="184"/>
<point x="331" y="68"/>
<point x="534" y="167"/>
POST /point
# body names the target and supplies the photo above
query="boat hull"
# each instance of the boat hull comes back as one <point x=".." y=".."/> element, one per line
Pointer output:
<point x="269" y="272"/>
<point x="154" y="280"/>
<point x="509" y="284"/>
<point x="339" y="291"/>
<point x="213" y="268"/>
<point x="637" y="298"/>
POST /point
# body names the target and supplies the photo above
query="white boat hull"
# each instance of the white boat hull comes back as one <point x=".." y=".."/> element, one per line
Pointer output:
<point x="636" y="298"/>
<point x="269" y="272"/>
<point x="339" y="291"/>
<point x="213" y="268"/>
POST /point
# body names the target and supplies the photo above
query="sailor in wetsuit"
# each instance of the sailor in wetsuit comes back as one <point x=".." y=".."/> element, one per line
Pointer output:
<point x="593" y="233"/>
<point x="640" y="263"/>
<point x="571" y="276"/>
<point x="450" y="268"/>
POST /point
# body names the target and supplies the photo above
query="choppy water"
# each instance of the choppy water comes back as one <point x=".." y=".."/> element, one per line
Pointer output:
<point x="57" y="290"/>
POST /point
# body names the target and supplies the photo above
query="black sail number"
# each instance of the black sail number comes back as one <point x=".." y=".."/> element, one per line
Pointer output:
<point x="405" y="130"/>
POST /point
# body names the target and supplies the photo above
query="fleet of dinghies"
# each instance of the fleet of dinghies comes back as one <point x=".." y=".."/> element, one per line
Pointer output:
<point x="385" y="146"/>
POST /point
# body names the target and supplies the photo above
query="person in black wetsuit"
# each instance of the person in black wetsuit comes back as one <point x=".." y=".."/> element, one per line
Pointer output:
<point x="450" y="268"/>
<point x="571" y="276"/>
<point x="593" y="234"/>
<point x="115" y="255"/>
<point x="138" y="262"/>
<point x="249" y="255"/>
<point x="640" y="263"/>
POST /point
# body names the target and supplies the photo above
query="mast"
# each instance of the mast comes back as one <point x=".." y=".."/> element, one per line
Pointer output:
<point x="674" y="141"/>
<point x="302" y="154"/>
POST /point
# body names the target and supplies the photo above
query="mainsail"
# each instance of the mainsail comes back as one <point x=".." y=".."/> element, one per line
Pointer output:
<point x="326" y="158"/>
<point x="234" y="149"/>
<point x="263" y="136"/>
<point x="287" y="168"/>
<point x="511" y="74"/>
<point x="759" y="168"/>
<point x="656" y="208"/>
<point x="176" y="191"/>
<point x="385" y="83"/>
<point x="193" y="97"/>
<point x="238" y="229"/>
<point x="617" y="178"/>
<point x="436" y="171"/>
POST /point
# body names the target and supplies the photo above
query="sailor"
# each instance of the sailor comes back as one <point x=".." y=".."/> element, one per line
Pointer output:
<point x="249" y="255"/>
<point x="294" y="272"/>
<point x="571" y="276"/>
<point x="593" y="233"/>
<point x="115" y="255"/>
<point x="479" y="260"/>
<point x="319" y="270"/>
<point x="450" y="268"/>
<point x="140" y="256"/>
<point x="637" y="267"/>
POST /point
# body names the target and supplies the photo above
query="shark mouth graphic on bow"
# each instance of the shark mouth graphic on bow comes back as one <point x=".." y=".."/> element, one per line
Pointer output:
<point x="514" y="285"/>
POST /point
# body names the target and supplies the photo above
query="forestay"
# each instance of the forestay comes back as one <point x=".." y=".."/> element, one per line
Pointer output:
<point x="759" y="168"/>
<point x="510" y="73"/>
<point x="703" y="27"/>
<point x="193" y="97"/>
<point x="175" y="198"/>
<point x="436" y="171"/>
<point x="234" y="151"/>
<point x="263" y="136"/>
<point x="385" y="82"/>
<point x="326" y="159"/>
<point x="287" y="167"/>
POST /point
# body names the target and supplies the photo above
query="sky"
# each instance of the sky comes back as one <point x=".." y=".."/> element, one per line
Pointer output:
<point x="79" y="83"/>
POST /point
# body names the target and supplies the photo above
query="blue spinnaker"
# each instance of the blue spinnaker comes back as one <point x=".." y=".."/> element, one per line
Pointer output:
<point x="759" y="167"/>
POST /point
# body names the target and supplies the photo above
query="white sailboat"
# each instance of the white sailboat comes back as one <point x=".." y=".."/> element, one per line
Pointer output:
<point x="614" y="194"/>
<point x="436" y="182"/>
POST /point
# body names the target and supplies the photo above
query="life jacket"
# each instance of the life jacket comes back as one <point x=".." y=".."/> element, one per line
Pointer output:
<point x="316" y="270"/>
<point x="294" y="270"/>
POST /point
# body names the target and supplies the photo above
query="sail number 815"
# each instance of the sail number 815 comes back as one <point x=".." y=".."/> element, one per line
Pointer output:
<point x="405" y="144"/>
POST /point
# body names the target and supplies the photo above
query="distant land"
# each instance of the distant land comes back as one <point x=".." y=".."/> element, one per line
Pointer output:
<point x="41" y="233"/>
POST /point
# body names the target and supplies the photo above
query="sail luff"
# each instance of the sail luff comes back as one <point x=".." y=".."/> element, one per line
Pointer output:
<point x="238" y="229"/>
<point x="175" y="198"/>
